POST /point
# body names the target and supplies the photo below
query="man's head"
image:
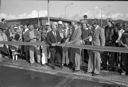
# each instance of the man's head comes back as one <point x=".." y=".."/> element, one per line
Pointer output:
<point x="54" y="26"/>
<point x="66" y="25"/>
<point x="77" y="25"/>
<point x="31" y="27"/>
<point x="60" y="24"/>
<point x="47" y="26"/>
<point x="94" y="24"/>
<point x="109" y="22"/>
<point x="85" y="16"/>
<point x="3" y="20"/>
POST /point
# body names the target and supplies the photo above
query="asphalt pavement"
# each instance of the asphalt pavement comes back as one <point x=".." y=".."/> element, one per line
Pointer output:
<point x="22" y="74"/>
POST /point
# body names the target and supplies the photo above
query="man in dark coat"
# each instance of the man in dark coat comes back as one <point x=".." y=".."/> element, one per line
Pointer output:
<point x="111" y="36"/>
<point x="53" y="37"/>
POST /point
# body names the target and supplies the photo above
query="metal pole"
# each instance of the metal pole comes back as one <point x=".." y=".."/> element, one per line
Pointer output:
<point x="101" y="17"/>
<point x="48" y="11"/>
<point x="66" y="8"/>
<point x="0" y="7"/>
<point x="65" y="11"/>
<point x="38" y="19"/>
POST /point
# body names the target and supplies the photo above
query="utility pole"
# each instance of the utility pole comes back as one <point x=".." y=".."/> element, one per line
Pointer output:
<point x="66" y="8"/>
<point x="48" y="11"/>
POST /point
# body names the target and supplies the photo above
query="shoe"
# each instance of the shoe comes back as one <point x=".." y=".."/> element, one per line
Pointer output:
<point x="123" y="73"/>
<point x="76" y="71"/>
<point x="104" y="68"/>
<point x="52" y="66"/>
<point x="95" y="74"/>
<point x="88" y="74"/>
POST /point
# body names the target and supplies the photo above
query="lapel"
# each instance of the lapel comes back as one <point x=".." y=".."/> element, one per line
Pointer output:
<point x="74" y="34"/>
<point x="95" y="31"/>
<point x="54" y="37"/>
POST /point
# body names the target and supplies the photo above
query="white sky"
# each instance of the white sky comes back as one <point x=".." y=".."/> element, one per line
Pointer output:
<point x="12" y="9"/>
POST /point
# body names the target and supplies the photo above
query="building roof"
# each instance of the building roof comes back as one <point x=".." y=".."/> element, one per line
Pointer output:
<point x="44" y="18"/>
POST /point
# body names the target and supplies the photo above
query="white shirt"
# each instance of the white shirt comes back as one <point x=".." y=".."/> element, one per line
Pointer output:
<point x="54" y="33"/>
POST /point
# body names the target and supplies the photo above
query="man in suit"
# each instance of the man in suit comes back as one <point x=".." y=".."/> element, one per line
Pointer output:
<point x="110" y="37"/>
<point x="98" y="39"/>
<point x="53" y="37"/>
<point x="33" y="35"/>
<point x="76" y="40"/>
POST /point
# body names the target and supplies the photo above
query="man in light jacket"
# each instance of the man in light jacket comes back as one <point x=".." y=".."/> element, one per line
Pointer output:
<point x="98" y="39"/>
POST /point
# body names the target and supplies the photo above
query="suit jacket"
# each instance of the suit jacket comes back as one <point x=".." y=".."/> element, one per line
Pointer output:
<point x="27" y="37"/>
<point x="98" y="37"/>
<point x="124" y="37"/>
<point x="52" y="39"/>
<point x="76" y="37"/>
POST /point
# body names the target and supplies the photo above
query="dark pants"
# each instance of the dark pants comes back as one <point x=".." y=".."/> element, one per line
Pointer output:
<point x="26" y="52"/>
<point x="56" y="57"/>
<point x="72" y="57"/>
<point x="85" y="56"/>
<point x="109" y="57"/>
<point x="4" y="51"/>
<point x="124" y="62"/>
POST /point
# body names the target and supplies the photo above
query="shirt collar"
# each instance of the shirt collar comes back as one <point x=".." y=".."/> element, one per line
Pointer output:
<point x="97" y="27"/>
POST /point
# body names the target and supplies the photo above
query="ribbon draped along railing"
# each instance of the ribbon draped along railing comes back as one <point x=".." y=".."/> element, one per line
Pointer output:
<point x="89" y="47"/>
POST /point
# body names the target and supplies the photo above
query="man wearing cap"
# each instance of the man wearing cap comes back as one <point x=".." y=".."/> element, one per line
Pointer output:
<point x="98" y="39"/>
<point x="53" y="37"/>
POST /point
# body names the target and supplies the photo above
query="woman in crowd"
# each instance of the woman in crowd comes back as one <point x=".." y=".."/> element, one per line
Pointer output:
<point x="3" y="47"/>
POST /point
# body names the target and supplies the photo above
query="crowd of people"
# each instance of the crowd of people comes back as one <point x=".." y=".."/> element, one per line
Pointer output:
<point x="75" y="33"/>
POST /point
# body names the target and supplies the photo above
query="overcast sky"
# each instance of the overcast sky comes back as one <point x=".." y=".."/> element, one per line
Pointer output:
<point x="12" y="9"/>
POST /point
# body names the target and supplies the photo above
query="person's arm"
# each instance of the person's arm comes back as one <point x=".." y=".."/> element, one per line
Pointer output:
<point x="48" y="39"/>
<point x="5" y="37"/>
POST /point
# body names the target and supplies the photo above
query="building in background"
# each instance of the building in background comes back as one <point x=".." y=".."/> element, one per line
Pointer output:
<point x="39" y="21"/>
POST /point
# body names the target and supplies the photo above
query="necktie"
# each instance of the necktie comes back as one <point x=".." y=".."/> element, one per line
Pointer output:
<point x="55" y="34"/>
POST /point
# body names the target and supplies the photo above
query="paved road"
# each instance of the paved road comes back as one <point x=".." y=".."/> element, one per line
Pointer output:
<point x="13" y="77"/>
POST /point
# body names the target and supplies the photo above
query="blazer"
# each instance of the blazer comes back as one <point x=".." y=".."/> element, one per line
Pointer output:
<point x="76" y="37"/>
<point x="27" y="37"/>
<point x="98" y="37"/>
<point x="52" y="39"/>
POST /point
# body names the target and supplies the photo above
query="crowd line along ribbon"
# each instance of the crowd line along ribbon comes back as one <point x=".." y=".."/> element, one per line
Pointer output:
<point x="88" y="47"/>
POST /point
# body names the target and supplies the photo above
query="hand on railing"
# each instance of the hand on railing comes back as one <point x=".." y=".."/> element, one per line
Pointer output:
<point x="53" y="44"/>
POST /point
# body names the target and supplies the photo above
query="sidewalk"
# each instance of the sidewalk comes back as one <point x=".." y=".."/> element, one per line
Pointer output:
<point x="105" y="77"/>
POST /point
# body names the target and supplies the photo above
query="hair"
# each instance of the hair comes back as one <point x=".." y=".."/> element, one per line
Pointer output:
<point x="17" y="37"/>
<point x="2" y="19"/>
<point x="85" y="16"/>
<point x="94" y="23"/>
